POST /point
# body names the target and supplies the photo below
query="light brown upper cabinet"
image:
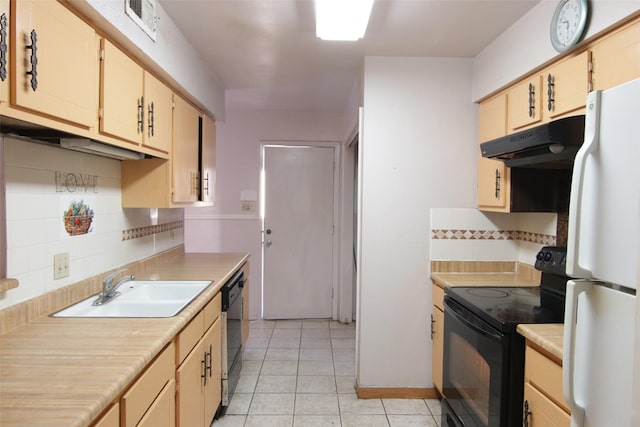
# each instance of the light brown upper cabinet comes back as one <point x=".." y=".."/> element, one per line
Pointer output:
<point x="566" y="86"/>
<point x="54" y="72"/>
<point x="158" y="124"/>
<point x="4" y="51"/>
<point x="616" y="58"/>
<point x="559" y="90"/>
<point x="121" y="95"/>
<point x="186" y="143"/>
<point x="493" y="176"/>
<point x="208" y="160"/>
<point x="135" y="107"/>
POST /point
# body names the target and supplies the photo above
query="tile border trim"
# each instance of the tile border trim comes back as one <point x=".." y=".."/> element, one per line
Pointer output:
<point x="525" y="236"/>
<point x="136" y="233"/>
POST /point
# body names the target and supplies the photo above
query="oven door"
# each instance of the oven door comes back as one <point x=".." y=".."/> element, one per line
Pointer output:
<point x="477" y="364"/>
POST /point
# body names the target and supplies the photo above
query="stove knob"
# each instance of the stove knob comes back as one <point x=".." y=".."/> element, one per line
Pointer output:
<point x="548" y="256"/>
<point x="540" y="256"/>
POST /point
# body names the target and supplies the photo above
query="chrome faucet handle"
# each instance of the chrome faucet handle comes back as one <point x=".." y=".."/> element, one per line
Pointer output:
<point x="107" y="282"/>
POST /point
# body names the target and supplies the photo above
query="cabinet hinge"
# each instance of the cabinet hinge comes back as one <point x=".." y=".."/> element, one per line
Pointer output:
<point x="101" y="54"/>
<point x="100" y="113"/>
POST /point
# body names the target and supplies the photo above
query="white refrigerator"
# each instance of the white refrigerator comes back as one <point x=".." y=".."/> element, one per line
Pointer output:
<point x="599" y="363"/>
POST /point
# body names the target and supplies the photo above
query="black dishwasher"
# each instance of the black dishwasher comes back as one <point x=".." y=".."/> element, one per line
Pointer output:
<point x="232" y="336"/>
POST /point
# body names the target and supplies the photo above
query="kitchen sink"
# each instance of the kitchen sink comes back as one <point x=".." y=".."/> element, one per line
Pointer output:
<point x="140" y="298"/>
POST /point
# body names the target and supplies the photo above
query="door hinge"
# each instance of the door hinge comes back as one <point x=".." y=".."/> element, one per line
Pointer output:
<point x="332" y="293"/>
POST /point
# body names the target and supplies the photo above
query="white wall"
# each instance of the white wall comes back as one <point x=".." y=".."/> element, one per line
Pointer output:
<point x="526" y="45"/>
<point x="418" y="153"/>
<point x="179" y="62"/>
<point x="35" y="226"/>
<point x="225" y="227"/>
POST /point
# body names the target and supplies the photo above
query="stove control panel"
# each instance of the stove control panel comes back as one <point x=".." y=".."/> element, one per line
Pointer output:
<point x="552" y="259"/>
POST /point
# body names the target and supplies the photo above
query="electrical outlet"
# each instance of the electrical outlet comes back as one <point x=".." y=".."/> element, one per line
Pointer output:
<point x="60" y="265"/>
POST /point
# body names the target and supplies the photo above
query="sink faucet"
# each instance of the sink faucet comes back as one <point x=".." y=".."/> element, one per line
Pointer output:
<point x="109" y="290"/>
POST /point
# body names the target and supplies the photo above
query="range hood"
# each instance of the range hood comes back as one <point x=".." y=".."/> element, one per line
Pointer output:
<point x="552" y="145"/>
<point x="41" y="134"/>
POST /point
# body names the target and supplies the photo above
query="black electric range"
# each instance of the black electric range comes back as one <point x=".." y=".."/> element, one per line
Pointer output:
<point x="483" y="375"/>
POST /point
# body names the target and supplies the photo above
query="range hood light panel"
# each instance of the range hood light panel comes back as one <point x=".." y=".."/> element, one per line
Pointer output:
<point x="93" y="147"/>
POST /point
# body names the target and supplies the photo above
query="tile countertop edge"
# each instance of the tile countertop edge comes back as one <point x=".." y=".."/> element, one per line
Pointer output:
<point x="62" y="352"/>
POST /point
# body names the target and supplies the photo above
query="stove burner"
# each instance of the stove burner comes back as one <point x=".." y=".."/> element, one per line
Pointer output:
<point x="487" y="293"/>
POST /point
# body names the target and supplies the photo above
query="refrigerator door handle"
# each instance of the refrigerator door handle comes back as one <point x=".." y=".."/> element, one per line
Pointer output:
<point x="574" y="289"/>
<point x="589" y="146"/>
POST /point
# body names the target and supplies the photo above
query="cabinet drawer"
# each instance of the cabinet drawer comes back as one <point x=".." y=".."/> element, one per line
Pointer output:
<point x="189" y="337"/>
<point x="212" y="310"/>
<point x="543" y="412"/>
<point x="110" y="419"/>
<point x="437" y="294"/>
<point x="545" y="374"/>
<point x="163" y="411"/>
<point x="143" y="392"/>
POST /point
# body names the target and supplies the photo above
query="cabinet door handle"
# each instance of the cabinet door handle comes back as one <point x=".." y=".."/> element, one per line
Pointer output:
<point x="550" y="92"/>
<point x="433" y="331"/>
<point x="3" y="47"/>
<point x="210" y="355"/>
<point x="151" y="120"/>
<point x="526" y="414"/>
<point x="497" y="193"/>
<point x="206" y="183"/>
<point x="532" y="100"/>
<point x="141" y="114"/>
<point x="203" y="363"/>
<point x="33" y="60"/>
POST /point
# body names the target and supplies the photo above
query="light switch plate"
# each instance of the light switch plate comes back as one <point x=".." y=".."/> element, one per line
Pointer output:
<point x="60" y="265"/>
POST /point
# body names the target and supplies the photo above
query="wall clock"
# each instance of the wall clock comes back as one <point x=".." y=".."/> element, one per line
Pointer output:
<point x="568" y="23"/>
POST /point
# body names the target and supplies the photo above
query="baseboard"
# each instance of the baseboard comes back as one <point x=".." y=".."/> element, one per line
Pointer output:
<point x="397" y="393"/>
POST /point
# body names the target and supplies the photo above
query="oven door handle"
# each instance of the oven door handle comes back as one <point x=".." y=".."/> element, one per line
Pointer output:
<point x="470" y="320"/>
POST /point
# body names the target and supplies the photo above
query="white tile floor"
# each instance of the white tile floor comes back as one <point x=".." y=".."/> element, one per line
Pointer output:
<point x="302" y="374"/>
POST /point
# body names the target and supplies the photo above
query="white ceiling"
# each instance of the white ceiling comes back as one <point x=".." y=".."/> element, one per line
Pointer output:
<point x="266" y="55"/>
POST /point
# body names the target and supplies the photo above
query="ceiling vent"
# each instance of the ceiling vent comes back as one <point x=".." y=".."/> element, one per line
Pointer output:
<point x="143" y="13"/>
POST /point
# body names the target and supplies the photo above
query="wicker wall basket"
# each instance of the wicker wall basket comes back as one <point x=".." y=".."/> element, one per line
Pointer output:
<point x="76" y="225"/>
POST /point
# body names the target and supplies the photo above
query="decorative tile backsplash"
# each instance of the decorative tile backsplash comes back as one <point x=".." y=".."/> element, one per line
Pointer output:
<point x="473" y="235"/>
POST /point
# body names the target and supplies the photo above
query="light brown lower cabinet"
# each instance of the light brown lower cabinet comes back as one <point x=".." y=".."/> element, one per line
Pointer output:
<point x="437" y="336"/>
<point x="198" y="375"/>
<point x="544" y="404"/>
<point x="110" y="419"/>
<point x="162" y="412"/>
<point x="144" y="399"/>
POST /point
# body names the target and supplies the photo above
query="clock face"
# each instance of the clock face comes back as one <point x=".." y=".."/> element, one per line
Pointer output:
<point x="568" y="23"/>
<point x="568" y="20"/>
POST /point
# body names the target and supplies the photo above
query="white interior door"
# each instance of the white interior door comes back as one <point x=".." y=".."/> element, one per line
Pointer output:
<point x="298" y="232"/>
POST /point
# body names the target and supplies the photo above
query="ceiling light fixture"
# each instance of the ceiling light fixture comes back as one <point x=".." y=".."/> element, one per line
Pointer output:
<point x="342" y="19"/>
